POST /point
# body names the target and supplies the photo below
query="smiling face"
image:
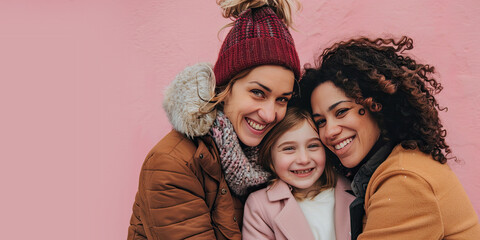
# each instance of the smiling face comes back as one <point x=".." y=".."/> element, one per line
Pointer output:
<point x="298" y="157"/>
<point x="258" y="101"/>
<point x="344" y="131"/>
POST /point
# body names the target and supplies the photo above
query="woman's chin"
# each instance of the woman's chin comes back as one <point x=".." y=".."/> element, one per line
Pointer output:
<point x="249" y="141"/>
<point x="350" y="162"/>
<point x="251" y="138"/>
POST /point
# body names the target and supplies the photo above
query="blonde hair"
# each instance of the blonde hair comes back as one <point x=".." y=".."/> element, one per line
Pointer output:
<point x="293" y="118"/>
<point x="221" y="92"/>
<point x="282" y="8"/>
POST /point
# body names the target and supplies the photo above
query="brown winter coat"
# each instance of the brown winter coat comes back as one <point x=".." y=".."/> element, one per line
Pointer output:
<point x="182" y="193"/>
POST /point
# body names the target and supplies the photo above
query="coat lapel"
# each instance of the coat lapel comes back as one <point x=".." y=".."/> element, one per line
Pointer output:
<point x="290" y="220"/>
<point x="342" y="209"/>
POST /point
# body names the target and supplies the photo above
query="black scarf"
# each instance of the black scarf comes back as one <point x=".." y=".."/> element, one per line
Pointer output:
<point x="361" y="176"/>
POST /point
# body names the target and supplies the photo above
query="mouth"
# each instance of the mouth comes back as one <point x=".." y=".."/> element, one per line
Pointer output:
<point x="302" y="172"/>
<point x="343" y="144"/>
<point x="255" y="125"/>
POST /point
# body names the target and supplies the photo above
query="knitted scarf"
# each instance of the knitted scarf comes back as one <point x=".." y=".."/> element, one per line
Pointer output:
<point x="240" y="166"/>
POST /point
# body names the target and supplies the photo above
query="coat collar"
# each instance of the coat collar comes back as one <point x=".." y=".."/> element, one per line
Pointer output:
<point x="292" y="213"/>
<point x="342" y="210"/>
<point x="290" y="220"/>
<point x="278" y="191"/>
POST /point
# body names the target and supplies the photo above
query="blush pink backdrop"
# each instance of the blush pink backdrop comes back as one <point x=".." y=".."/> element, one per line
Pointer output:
<point x="82" y="82"/>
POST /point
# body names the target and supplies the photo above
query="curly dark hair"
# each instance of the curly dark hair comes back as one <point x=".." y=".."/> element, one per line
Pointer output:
<point x="398" y="91"/>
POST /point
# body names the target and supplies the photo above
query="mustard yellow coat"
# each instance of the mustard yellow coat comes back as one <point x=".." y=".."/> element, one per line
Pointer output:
<point x="411" y="196"/>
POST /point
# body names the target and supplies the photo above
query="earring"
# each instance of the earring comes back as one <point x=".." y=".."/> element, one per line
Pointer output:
<point x="361" y="111"/>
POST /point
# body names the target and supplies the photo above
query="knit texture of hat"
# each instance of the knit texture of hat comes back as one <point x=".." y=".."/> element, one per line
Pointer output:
<point x="258" y="37"/>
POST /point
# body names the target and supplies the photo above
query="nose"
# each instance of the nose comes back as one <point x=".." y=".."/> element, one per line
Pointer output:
<point x="303" y="158"/>
<point x="332" y="129"/>
<point x="268" y="112"/>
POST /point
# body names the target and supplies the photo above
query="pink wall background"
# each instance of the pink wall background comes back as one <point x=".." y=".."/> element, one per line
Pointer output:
<point x="82" y="82"/>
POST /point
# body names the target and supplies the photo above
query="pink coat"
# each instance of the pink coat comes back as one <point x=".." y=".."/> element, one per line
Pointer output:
<point x="273" y="213"/>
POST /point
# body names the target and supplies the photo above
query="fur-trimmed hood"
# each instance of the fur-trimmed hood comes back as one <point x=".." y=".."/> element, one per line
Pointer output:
<point x="186" y="95"/>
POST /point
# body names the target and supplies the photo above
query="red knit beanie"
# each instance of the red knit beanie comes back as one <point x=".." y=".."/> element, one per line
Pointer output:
<point x="258" y="37"/>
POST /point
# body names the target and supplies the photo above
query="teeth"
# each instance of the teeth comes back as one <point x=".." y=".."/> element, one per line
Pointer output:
<point x="343" y="144"/>
<point x="302" y="171"/>
<point x="255" y="125"/>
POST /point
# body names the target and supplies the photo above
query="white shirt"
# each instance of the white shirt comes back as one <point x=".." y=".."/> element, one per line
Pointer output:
<point x="319" y="213"/>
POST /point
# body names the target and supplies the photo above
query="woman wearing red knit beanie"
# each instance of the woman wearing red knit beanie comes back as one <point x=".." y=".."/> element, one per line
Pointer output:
<point x="193" y="183"/>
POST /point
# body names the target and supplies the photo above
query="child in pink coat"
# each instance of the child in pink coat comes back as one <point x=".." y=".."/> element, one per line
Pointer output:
<point x="306" y="200"/>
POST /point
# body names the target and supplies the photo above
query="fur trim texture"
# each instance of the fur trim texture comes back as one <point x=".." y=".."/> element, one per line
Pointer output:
<point x="186" y="95"/>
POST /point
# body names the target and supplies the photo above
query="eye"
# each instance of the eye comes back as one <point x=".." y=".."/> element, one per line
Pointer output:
<point x="288" y="148"/>
<point x="283" y="100"/>
<point x="320" y="122"/>
<point x="314" y="145"/>
<point x="341" y="112"/>
<point x="258" y="93"/>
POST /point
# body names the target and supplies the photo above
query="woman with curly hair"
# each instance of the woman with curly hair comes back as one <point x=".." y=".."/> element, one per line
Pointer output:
<point x="378" y="117"/>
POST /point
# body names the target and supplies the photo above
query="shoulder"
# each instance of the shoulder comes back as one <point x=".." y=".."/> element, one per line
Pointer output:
<point x="257" y="199"/>
<point x="404" y="166"/>
<point x="256" y="210"/>
<point x="411" y="185"/>
<point x="178" y="162"/>
<point x="258" y="216"/>
<point x="406" y="161"/>
<point x="174" y="147"/>
<point x="269" y="199"/>
<point x="176" y="152"/>
<point x="259" y="213"/>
